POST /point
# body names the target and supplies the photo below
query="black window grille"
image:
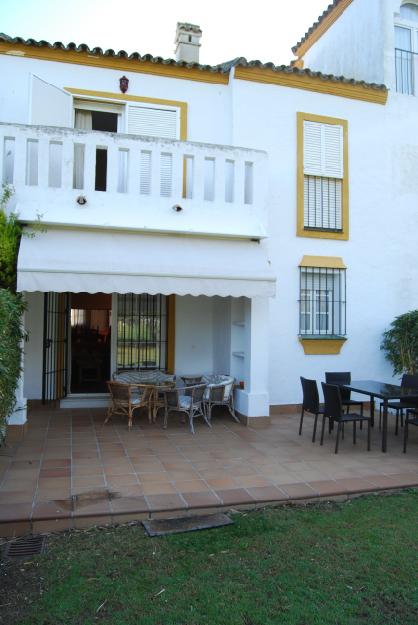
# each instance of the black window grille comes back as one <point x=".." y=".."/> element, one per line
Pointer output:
<point x="322" y="302"/>
<point x="142" y="331"/>
<point x="322" y="203"/>
<point x="404" y="68"/>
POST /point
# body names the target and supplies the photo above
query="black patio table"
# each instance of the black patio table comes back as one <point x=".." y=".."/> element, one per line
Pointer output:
<point x="383" y="391"/>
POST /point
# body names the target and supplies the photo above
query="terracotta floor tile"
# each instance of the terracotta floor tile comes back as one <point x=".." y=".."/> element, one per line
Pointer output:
<point x="234" y="496"/>
<point x="191" y="486"/>
<point x="250" y="481"/>
<point x="201" y="499"/>
<point x="132" y="490"/>
<point x="15" y="511"/>
<point x="55" y="473"/>
<point x="222" y="483"/>
<point x="56" y="463"/>
<point x="157" y="488"/>
<point x="50" y="510"/>
<point x="84" y="508"/>
<point x="129" y="504"/>
<point x="355" y="484"/>
<point x="165" y="502"/>
<point x="88" y="481"/>
<point x="47" y="494"/>
<point x="118" y="469"/>
<point x="161" y="476"/>
<point x="299" y="490"/>
<point x="16" y="496"/>
<point x="267" y="493"/>
<point x="114" y="481"/>
<point x="327" y="487"/>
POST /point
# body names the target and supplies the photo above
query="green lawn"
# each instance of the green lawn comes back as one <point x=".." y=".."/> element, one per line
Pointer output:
<point x="326" y="564"/>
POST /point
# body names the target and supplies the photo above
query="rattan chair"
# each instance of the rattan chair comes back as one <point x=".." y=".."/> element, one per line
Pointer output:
<point x="188" y="400"/>
<point x="125" y="398"/>
<point x="333" y="411"/>
<point x="220" y="395"/>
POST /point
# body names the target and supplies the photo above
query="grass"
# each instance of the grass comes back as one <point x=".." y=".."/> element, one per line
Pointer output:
<point x="325" y="564"/>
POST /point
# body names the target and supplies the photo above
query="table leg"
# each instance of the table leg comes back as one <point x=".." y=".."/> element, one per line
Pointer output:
<point x="372" y="410"/>
<point x="385" y="425"/>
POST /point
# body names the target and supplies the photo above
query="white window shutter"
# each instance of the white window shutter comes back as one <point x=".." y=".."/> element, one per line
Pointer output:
<point x="333" y="151"/>
<point x="323" y="150"/>
<point x="153" y="122"/>
<point x="312" y="150"/>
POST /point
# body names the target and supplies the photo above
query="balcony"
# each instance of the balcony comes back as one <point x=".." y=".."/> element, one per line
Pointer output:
<point x="105" y="180"/>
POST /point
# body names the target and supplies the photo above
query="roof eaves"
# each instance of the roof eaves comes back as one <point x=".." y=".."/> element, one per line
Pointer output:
<point x="330" y="9"/>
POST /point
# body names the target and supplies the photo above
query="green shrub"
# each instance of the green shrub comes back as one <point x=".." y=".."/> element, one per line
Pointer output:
<point x="400" y="343"/>
<point x="11" y="334"/>
<point x="10" y="233"/>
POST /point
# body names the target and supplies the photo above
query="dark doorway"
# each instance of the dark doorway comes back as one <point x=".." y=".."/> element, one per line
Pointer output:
<point x="107" y="122"/>
<point x="90" y="342"/>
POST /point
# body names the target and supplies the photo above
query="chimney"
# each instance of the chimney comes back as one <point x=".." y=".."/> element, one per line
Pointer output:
<point x="187" y="42"/>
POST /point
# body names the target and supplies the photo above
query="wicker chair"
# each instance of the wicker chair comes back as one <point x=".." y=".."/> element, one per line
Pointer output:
<point x="125" y="398"/>
<point x="188" y="400"/>
<point x="220" y="395"/>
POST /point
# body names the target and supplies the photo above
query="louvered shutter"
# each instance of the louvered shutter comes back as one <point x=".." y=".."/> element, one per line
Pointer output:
<point x="153" y="122"/>
<point x="323" y="150"/>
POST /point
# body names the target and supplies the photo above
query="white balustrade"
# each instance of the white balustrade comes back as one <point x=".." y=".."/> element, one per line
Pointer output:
<point x="220" y="187"/>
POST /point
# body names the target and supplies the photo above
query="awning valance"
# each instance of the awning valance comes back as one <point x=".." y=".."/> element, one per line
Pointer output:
<point x="94" y="261"/>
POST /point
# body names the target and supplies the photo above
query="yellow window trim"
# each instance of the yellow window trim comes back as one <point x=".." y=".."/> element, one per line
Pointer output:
<point x="321" y="234"/>
<point x="123" y="65"/>
<point x="312" y="83"/>
<point x="171" y="332"/>
<point x="325" y="23"/>
<point x="322" y="346"/>
<point x="326" y="262"/>
<point x="108" y="95"/>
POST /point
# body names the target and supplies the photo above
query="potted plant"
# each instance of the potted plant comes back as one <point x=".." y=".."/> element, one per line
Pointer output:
<point x="400" y="343"/>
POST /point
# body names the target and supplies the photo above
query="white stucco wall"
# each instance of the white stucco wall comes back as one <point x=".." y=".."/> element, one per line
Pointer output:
<point x="380" y="270"/>
<point x="353" y="46"/>
<point x="360" y="44"/>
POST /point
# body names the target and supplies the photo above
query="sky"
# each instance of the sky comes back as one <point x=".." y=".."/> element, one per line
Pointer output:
<point x="256" y="29"/>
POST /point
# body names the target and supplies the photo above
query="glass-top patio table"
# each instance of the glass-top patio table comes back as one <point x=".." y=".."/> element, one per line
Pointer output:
<point x="386" y="392"/>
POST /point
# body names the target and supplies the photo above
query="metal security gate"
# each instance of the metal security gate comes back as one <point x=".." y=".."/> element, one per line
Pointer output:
<point x="55" y="348"/>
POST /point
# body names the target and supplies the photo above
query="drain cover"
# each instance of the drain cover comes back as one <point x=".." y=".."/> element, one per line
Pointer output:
<point x="160" y="527"/>
<point x="24" y="547"/>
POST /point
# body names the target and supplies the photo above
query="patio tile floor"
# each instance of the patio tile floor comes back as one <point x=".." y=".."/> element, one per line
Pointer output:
<point x="71" y="470"/>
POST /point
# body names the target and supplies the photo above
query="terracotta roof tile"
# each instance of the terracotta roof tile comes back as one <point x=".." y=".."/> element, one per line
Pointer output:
<point x="222" y="68"/>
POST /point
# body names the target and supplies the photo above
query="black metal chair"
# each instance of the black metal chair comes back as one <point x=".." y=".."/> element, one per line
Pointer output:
<point x="411" y="418"/>
<point x="310" y="403"/>
<point x="344" y="377"/>
<point x="408" y="381"/>
<point x="333" y="410"/>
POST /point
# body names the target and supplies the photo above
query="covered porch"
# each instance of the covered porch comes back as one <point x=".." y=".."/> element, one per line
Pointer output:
<point x="102" y="302"/>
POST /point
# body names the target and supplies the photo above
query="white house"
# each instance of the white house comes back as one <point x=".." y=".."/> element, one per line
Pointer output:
<point x="286" y="256"/>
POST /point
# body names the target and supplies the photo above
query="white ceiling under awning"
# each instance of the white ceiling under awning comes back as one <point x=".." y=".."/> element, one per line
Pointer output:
<point x="92" y="261"/>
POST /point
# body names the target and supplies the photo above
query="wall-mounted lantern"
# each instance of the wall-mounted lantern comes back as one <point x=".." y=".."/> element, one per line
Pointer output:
<point x="123" y="84"/>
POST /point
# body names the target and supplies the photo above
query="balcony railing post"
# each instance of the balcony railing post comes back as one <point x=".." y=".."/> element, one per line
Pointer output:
<point x="19" y="170"/>
<point x="67" y="163"/>
<point x="89" y="167"/>
<point x="112" y="168"/>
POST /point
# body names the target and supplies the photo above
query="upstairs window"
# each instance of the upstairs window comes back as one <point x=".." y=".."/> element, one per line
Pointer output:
<point x="406" y="48"/>
<point x="322" y="301"/>
<point x="322" y="177"/>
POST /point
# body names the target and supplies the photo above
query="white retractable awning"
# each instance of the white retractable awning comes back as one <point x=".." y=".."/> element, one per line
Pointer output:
<point x="94" y="261"/>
